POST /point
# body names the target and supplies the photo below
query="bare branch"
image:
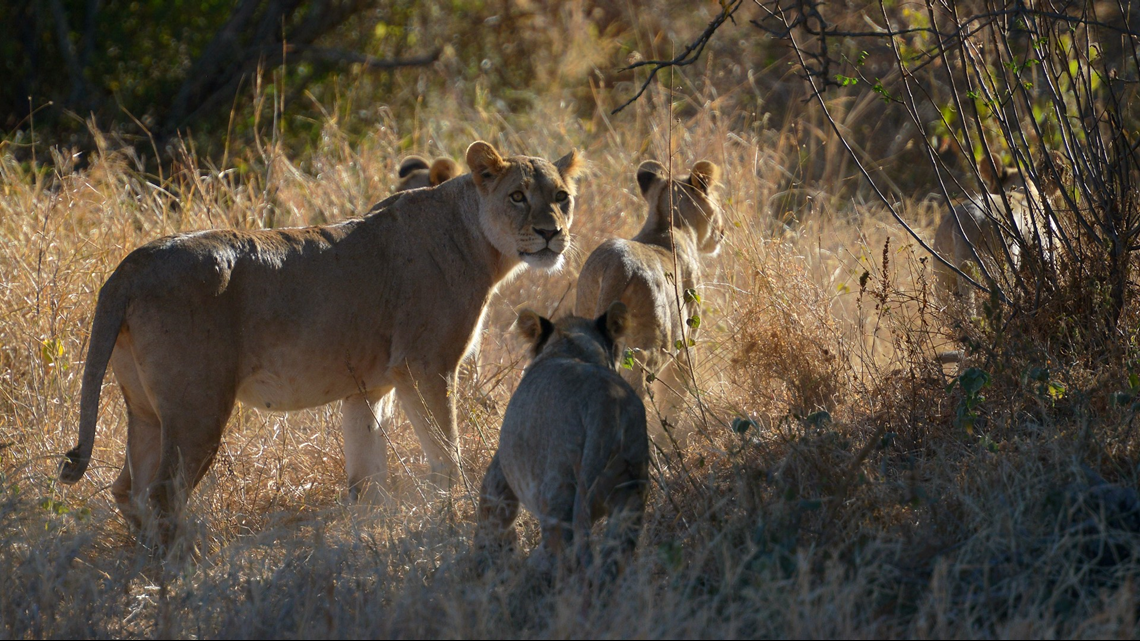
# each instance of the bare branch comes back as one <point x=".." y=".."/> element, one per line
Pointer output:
<point x="687" y="57"/>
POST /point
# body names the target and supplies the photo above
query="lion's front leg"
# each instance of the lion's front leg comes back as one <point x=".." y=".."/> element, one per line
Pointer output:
<point x="366" y="423"/>
<point x="428" y="401"/>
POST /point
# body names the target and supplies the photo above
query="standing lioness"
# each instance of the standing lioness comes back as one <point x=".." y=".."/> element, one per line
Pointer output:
<point x="294" y="318"/>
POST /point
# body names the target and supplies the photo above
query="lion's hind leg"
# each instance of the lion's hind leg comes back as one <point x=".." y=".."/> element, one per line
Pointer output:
<point x="144" y="440"/>
<point x="498" y="509"/>
<point x="626" y="506"/>
<point x="193" y="418"/>
<point x="557" y="498"/>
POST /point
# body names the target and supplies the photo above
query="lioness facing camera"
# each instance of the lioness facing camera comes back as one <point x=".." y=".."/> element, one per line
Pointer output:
<point x="294" y="318"/>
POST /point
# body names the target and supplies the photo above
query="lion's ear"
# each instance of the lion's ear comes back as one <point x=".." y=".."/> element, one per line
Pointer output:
<point x="443" y="170"/>
<point x="648" y="174"/>
<point x="533" y="329"/>
<point x="410" y="164"/>
<point x="615" y="322"/>
<point x="486" y="164"/>
<point x="704" y="175"/>
<point x="570" y="166"/>
<point x="1052" y="171"/>
<point x="996" y="176"/>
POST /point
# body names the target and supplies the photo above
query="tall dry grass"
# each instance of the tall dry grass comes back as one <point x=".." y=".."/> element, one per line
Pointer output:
<point x="825" y="484"/>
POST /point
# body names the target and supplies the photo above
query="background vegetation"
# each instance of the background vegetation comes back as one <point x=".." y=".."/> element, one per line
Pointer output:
<point x="831" y="478"/>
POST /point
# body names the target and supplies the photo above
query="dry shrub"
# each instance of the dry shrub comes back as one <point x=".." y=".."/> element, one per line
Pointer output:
<point x="790" y="348"/>
<point x="853" y="503"/>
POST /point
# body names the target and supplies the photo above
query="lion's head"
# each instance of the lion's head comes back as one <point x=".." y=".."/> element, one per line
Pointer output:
<point x="583" y="339"/>
<point x="416" y="173"/>
<point x="527" y="203"/>
<point x="694" y="205"/>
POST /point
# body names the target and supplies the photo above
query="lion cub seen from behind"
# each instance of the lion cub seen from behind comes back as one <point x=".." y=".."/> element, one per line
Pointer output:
<point x="415" y="173"/>
<point x="684" y="225"/>
<point x="573" y="445"/>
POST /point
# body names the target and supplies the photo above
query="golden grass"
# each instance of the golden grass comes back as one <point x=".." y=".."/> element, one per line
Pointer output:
<point x="879" y="519"/>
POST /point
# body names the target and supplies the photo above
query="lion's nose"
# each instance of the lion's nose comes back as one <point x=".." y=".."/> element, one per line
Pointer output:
<point x="547" y="234"/>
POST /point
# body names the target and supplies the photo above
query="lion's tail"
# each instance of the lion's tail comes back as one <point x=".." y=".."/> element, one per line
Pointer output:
<point x="110" y="311"/>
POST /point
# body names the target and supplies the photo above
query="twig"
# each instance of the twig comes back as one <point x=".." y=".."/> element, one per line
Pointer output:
<point x="687" y="57"/>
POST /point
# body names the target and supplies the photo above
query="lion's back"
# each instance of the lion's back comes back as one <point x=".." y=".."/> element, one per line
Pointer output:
<point x="568" y="418"/>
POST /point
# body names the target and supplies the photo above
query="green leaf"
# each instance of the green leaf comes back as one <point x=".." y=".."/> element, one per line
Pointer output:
<point x="52" y="352"/>
<point x="694" y="321"/>
<point x="882" y="91"/>
<point x="846" y="81"/>
<point x="627" y="359"/>
<point x="691" y="296"/>
<point x="1056" y="390"/>
<point x="973" y="380"/>
<point x="54" y="506"/>
<point x="966" y="420"/>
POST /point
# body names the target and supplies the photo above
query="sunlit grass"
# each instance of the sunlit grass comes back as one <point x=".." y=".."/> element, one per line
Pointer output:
<point x="850" y="503"/>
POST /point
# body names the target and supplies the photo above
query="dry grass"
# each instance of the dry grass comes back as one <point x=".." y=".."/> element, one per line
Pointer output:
<point x="853" y="505"/>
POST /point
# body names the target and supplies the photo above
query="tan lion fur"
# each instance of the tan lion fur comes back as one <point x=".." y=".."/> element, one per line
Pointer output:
<point x="415" y="173"/>
<point x="293" y="318"/>
<point x="980" y="228"/>
<point x="573" y="446"/>
<point x="684" y="220"/>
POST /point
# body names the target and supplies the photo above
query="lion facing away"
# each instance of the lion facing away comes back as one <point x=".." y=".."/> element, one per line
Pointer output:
<point x="294" y="318"/>
<point x="662" y="263"/>
<point x="573" y="446"/>
<point x="416" y="173"/>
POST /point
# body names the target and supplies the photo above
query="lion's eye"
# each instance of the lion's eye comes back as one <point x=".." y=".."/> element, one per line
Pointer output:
<point x="518" y="197"/>
<point x="561" y="197"/>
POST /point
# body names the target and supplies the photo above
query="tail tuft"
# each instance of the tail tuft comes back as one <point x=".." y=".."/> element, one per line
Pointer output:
<point x="73" y="468"/>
